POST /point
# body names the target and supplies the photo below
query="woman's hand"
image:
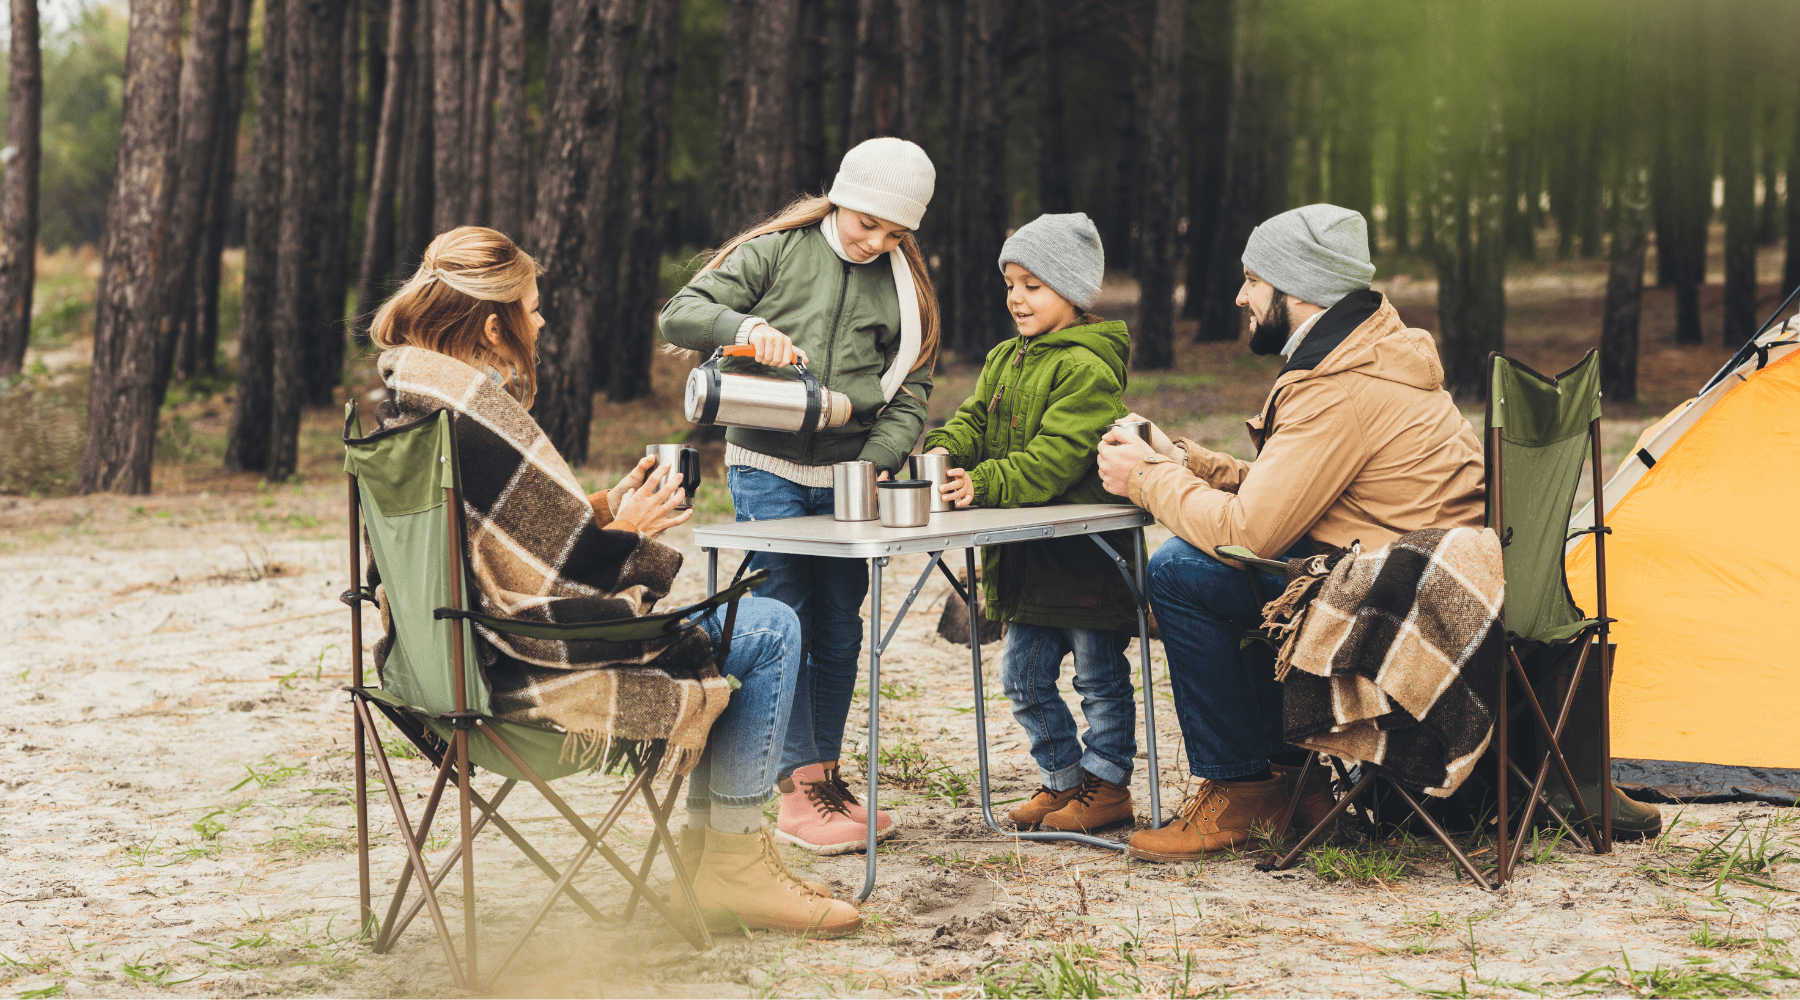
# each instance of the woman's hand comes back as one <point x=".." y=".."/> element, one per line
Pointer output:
<point x="1159" y="441"/>
<point x="958" y="488"/>
<point x="615" y="497"/>
<point x="651" y="509"/>
<point x="773" y="347"/>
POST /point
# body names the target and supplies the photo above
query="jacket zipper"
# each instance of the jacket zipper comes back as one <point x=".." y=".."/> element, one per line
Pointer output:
<point x="1019" y="363"/>
<point x="812" y="441"/>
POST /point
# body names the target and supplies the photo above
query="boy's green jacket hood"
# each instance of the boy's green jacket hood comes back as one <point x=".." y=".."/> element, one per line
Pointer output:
<point x="1028" y="437"/>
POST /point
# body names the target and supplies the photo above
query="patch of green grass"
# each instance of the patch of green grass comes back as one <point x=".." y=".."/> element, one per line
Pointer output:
<point x="48" y="991"/>
<point x="1744" y="856"/>
<point x="154" y="973"/>
<point x="1692" y="979"/>
<point x="267" y="772"/>
<point x="1706" y="937"/>
<point x="907" y="764"/>
<point x="19" y="968"/>
<point x="1366" y="864"/>
<point x="294" y="943"/>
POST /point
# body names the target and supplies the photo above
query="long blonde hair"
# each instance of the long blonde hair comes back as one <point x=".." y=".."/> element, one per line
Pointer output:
<point x="808" y="210"/>
<point x="467" y="275"/>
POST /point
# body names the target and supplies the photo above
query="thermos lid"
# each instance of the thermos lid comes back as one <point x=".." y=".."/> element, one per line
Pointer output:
<point x="904" y="484"/>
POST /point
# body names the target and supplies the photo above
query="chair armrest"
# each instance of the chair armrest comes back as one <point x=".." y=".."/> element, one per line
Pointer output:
<point x="620" y="630"/>
<point x="1249" y="558"/>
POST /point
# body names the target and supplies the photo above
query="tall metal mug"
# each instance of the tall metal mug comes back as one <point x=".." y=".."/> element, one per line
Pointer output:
<point x="1141" y="428"/>
<point x="936" y="469"/>
<point x="682" y="461"/>
<point x="853" y="491"/>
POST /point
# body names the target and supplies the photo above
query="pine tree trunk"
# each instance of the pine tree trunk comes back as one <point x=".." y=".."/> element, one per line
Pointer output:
<point x="843" y="47"/>
<point x="509" y="158"/>
<point x="865" y="69"/>
<point x="128" y="304"/>
<point x="607" y="215"/>
<point x="1278" y="102"/>
<point x="417" y="174"/>
<point x="728" y="215"/>
<point x="1160" y="255"/>
<point x="1399" y="196"/>
<point x="202" y="91"/>
<point x="247" y="441"/>
<point x="1768" y="212"/>
<point x="984" y="203"/>
<point x="1309" y="122"/>
<point x="1625" y="288"/>
<point x="19" y="200"/>
<point x="481" y="150"/>
<point x="763" y="174"/>
<point x="1240" y="206"/>
<point x="378" y="226"/>
<point x="1208" y="105"/>
<point x="474" y="57"/>
<point x="909" y="25"/>
<point x="1692" y="169"/>
<point x="331" y="275"/>
<point x="1052" y="141"/>
<point x="1739" y="162"/>
<point x="943" y="235"/>
<point x="629" y="377"/>
<point x="449" y="152"/>
<point x="811" y="142"/>
<point x="218" y="210"/>
<point x="375" y="60"/>
<point x="1118" y="223"/>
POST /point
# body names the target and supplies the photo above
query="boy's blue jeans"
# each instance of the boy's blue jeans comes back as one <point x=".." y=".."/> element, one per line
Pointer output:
<point x="744" y="747"/>
<point x="1030" y="667"/>
<point x="1226" y="697"/>
<point x="827" y="596"/>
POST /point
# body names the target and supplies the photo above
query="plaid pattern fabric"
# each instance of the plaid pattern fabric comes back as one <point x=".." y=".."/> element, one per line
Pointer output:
<point x="536" y="553"/>
<point x="1397" y="655"/>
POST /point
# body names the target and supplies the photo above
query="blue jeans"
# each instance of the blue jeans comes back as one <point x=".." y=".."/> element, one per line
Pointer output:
<point x="1226" y="697"/>
<point x="743" y="749"/>
<point x="1030" y="667"/>
<point x="827" y="596"/>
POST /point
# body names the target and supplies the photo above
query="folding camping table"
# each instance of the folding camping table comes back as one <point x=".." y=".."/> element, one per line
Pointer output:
<point x="967" y="529"/>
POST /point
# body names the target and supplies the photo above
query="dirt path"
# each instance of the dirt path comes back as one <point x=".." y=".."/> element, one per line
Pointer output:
<point x="174" y="784"/>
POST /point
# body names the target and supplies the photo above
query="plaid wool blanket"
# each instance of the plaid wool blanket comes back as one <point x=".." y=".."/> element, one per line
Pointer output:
<point x="1394" y="660"/>
<point x="537" y="553"/>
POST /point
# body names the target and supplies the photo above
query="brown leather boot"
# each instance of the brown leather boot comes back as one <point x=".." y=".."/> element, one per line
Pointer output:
<point x="1316" y="802"/>
<point x="1095" y="804"/>
<point x="1218" y="816"/>
<point x="1042" y="803"/>
<point x="741" y="883"/>
<point x="693" y="843"/>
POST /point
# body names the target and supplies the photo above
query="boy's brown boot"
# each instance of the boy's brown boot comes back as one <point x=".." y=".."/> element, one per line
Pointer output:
<point x="693" y="843"/>
<point x="1096" y="803"/>
<point x="741" y="883"/>
<point x="1316" y="802"/>
<point x="1042" y="803"/>
<point x="1219" y="816"/>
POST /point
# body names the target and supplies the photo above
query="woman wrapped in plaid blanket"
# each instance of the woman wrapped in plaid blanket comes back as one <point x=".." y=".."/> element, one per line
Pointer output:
<point x="462" y="335"/>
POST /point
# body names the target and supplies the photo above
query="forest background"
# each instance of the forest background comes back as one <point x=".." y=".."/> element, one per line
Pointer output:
<point x="204" y="200"/>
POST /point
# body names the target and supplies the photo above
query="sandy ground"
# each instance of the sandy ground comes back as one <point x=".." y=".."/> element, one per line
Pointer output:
<point x="174" y="787"/>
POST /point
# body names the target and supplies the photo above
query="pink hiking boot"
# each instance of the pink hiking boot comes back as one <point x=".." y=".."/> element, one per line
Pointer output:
<point x="815" y="814"/>
<point x="858" y="812"/>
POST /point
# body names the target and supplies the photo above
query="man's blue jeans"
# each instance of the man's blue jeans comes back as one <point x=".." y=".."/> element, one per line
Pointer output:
<point x="744" y="747"/>
<point x="827" y="596"/>
<point x="1226" y="697"/>
<point x="1030" y="667"/>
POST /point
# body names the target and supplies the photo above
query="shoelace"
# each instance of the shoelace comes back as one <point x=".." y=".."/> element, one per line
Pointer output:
<point x="836" y="778"/>
<point x="1196" y="798"/>
<point x="830" y="796"/>
<point x="1090" y="786"/>
<point x="778" y="867"/>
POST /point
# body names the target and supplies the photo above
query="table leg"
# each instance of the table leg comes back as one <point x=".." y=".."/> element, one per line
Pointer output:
<point x="712" y="571"/>
<point x="874" y="743"/>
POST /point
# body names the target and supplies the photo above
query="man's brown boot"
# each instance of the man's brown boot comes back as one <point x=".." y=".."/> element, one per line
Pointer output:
<point x="742" y="883"/>
<point x="1042" y="803"/>
<point x="1218" y="816"/>
<point x="1096" y="803"/>
<point x="1316" y="802"/>
<point x="693" y="843"/>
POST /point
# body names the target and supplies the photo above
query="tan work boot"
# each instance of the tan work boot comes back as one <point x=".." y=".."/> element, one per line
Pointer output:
<point x="1042" y="803"/>
<point x="693" y="843"/>
<point x="1095" y="804"/>
<point x="1218" y="816"/>
<point x="741" y="883"/>
<point x="1316" y="802"/>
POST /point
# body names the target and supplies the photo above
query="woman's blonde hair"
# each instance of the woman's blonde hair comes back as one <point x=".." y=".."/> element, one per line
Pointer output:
<point x="808" y="210"/>
<point x="467" y="275"/>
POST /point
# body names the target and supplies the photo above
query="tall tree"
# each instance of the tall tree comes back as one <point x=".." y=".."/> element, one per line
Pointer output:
<point x="247" y="440"/>
<point x="218" y="208"/>
<point x="1240" y="205"/>
<point x="1160" y="257"/>
<point x="864" y="73"/>
<point x="756" y="171"/>
<point x="983" y="206"/>
<point x="1689" y="161"/>
<point x="607" y="217"/>
<point x="1052" y="140"/>
<point x="1738" y="158"/>
<point x="1768" y="211"/>
<point x="202" y="91"/>
<point x="811" y="141"/>
<point x="449" y="150"/>
<point x="378" y="225"/>
<point x="1399" y="194"/>
<point x="481" y="118"/>
<point x="19" y="200"/>
<point x="325" y="346"/>
<point x="122" y="395"/>
<point x="909" y="26"/>
<point x="1208" y="113"/>
<point x="510" y="155"/>
<point x="734" y="69"/>
<point x="417" y="170"/>
<point x="629" y="376"/>
<point x="943" y="235"/>
<point x="1623" y="305"/>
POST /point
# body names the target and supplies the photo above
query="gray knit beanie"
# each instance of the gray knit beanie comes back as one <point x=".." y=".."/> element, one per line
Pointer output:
<point x="888" y="178"/>
<point x="1319" y="253"/>
<point x="1064" y="252"/>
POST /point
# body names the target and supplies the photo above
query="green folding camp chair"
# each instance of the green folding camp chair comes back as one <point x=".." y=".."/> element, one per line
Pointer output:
<point x="1540" y="430"/>
<point x="405" y="480"/>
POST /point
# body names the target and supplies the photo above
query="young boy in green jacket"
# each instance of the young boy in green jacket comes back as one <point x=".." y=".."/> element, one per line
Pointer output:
<point x="1027" y="437"/>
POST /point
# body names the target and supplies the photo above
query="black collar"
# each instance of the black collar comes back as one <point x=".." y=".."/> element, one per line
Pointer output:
<point x="1330" y="329"/>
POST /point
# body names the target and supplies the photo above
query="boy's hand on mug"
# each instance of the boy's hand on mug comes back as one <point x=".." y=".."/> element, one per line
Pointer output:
<point x="958" y="488"/>
<point x="939" y="450"/>
<point x="1158" y="440"/>
<point x="774" y="348"/>
<point x="1119" y="453"/>
<point x="652" y="509"/>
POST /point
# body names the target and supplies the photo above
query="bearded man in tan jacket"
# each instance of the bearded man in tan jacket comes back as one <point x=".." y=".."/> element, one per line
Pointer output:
<point x="1357" y="441"/>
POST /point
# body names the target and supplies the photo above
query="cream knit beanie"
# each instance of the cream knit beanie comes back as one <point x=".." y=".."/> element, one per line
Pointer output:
<point x="888" y="178"/>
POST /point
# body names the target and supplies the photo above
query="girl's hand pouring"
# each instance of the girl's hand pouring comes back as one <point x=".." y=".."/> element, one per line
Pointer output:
<point x="775" y="348"/>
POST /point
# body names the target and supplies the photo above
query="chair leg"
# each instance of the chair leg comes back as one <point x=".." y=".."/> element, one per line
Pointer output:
<point x="684" y="879"/>
<point x="1555" y="813"/>
<point x="1438" y="832"/>
<point x="1536" y="797"/>
<point x="1319" y="831"/>
<point x="385" y="939"/>
<point x="468" y="853"/>
<point x="1555" y="751"/>
<point x="365" y="913"/>
<point x="1293" y="804"/>
<point x="1364" y="813"/>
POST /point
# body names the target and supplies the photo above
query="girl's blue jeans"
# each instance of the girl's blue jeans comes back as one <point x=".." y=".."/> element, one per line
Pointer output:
<point x="744" y="747"/>
<point x="827" y="596"/>
<point x="1030" y="667"/>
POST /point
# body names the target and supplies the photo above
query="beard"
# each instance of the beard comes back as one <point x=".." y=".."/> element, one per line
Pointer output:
<point x="1270" y="334"/>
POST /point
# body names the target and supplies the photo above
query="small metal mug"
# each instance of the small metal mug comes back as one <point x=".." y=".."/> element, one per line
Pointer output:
<point x="905" y="503"/>
<point x="935" y="469"/>
<point x="1139" y="427"/>
<point x="853" y="491"/>
<point x="684" y="461"/>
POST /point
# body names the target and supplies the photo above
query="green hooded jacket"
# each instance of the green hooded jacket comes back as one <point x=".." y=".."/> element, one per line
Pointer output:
<point x="845" y="316"/>
<point x="1028" y="437"/>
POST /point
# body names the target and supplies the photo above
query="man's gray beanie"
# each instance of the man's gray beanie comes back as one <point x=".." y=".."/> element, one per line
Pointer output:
<point x="1319" y="253"/>
<point x="1064" y="252"/>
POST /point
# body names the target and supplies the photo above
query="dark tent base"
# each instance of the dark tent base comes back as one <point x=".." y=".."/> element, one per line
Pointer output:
<point x="1685" y="781"/>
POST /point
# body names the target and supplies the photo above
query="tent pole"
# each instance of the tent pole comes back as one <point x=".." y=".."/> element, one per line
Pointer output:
<point x="1606" y="793"/>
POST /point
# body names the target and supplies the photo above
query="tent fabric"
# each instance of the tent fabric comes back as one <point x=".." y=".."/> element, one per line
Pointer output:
<point x="1702" y="578"/>
<point x="1684" y="781"/>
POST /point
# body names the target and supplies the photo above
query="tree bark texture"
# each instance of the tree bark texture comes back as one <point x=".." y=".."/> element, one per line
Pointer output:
<point x="378" y="225"/>
<point x="481" y="150"/>
<point x="449" y="151"/>
<point x="1240" y="206"/>
<point x="909" y="26"/>
<point x="640" y="285"/>
<point x="1690" y="163"/>
<point x="128" y="304"/>
<point x="474" y="59"/>
<point x="417" y="172"/>
<point x="218" y="209"/>
<point x="810" y="139"/>
<point x="247" y="441"/>
<point x="1159" y="254"/>
<point x="1399" y="195"/>
<point x="865" y="73"/>
<point x="760" y="174"/>
<point x="1768" y="211"/>
<point x="1738" y="159"/>
<point x="1625" y="288"/>
<point x="19" y="200"/>
<point x="375" y="58"/>
<point x="942" y="238"/>
<point x="980" y="317"/>
<point x="1052" y="140"/>
<point x="607" y="219"/>
<point x="1124" y="203"/>
<point x="325" y="348"/>
<point x="1208" y="107"/>
<point x="509" y="156"/>
<point x="734" y="68"/>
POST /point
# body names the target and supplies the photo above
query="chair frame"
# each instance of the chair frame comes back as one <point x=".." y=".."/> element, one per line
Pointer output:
<point x="1510" y="843"/>
<point x="452" y="764"/>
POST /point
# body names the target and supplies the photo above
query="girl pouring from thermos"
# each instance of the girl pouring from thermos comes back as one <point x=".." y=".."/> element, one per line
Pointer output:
<point x="838" y="284"/>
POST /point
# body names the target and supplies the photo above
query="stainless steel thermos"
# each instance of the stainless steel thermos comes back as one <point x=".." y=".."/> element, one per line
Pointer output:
<point x="935" y="469"/>
<point x="731" y="399"/>
<point x="904" y="503"/>
<point x="853" y="491"/>
<point x="686" y="463"/>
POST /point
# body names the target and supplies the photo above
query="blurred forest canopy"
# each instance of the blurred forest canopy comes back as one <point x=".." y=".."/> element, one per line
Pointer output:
<point x="614" y="138"/>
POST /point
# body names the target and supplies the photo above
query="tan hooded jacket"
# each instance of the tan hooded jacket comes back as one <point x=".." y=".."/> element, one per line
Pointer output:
<point x="1365" y="446"/>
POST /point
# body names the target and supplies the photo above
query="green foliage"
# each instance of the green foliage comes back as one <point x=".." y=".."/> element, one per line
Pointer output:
<point x="84" y="87"/>
<point x="1751" y="860"/>
<point x="46" y="421"/>
<point x="1368" y="864"/>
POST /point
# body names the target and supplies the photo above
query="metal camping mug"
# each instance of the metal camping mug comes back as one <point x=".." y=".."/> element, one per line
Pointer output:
<point x="936" y="469"/>
<point x="904" y="503"/>
<point x="853" y="491"/>
<point x="1139" y="427"/>
<point x="684" y="461"/>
